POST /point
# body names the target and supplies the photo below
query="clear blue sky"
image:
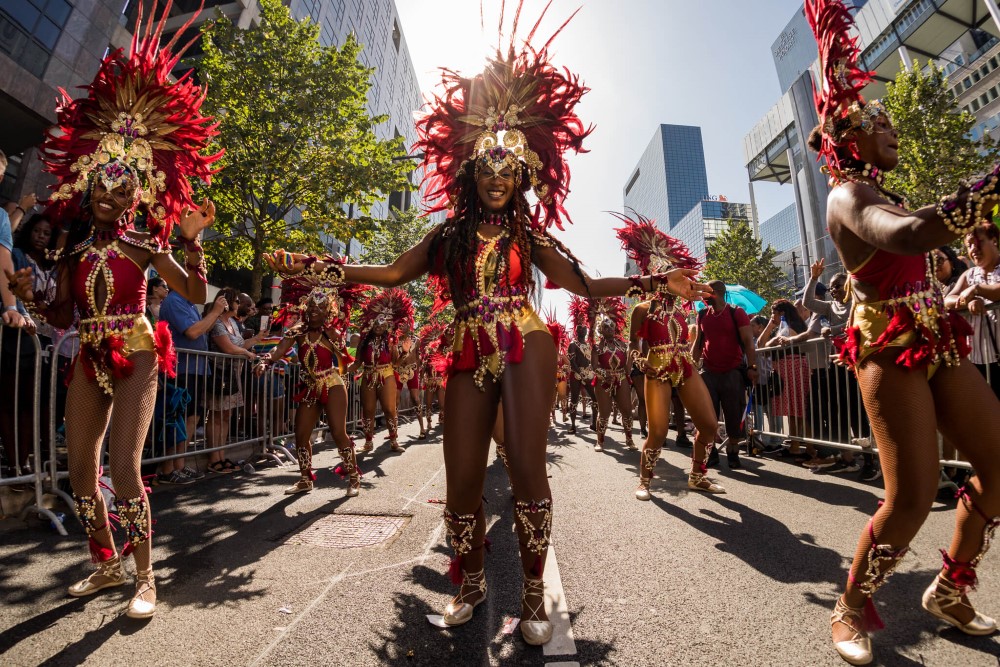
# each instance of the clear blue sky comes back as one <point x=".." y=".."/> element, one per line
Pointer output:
<point x="694" y="62"/>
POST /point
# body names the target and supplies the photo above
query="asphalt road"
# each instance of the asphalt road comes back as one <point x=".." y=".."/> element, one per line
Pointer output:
<point x="746" y="578"/>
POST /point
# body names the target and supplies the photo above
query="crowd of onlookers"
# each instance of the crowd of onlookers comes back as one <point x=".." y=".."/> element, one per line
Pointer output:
<point x="792" y="384"/>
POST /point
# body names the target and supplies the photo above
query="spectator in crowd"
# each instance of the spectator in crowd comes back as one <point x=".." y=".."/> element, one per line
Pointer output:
<point x="787" y="328"/>
<point x="765" y="390"/>
<point x="11" y="316"/>
<point x="724" y="340"/>
<point x="190" y="333"/>
<point x="948" y="268"/>
<point x="226" y="388"/>
<point x="32" y="240"/>
<point x="156" y="292"/>
<point x="261" y="310"/>
<point x="270" y="386"/>
<point x="974" y="292"/>
<point x="840" y="414"/>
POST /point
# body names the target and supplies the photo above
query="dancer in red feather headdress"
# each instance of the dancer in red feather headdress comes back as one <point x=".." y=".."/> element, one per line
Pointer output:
<point x="128" y="146"/>
<point x="433" y="367"/>
<point x="661" y="322"/>
<point x="488" y="139"/>
<point x="610" y="356"/>
<point x="316" y="311"/>
<point x="385" y="316"/>
<point x="908" y="352"/>
<point x="561" y="338"/>
<point x="579" y="353"/>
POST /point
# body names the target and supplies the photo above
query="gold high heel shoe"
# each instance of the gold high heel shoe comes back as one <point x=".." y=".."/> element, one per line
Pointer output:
<point x="301" y="486"/>
<point x="143" y="605"/>
<point x="942" y="594"/>
<point x="458" y="610"/>
<point x="858" y="649"/>
<point x="108" y="575"/>
<point x="534" y="630"/>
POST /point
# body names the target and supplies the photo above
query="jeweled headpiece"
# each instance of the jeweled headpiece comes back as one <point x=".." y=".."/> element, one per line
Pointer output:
<point x="651" y="249"/>
<point x="300" y="291"/>
<point x="392" y="307"/>
<point x="839" y="104"/>
<point x="612" y="308"/>
<point x="135" y="125"/>
<point x="518" y="113"/>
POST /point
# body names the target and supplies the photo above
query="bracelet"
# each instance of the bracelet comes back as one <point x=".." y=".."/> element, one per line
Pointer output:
<point x="959" y="216"/>
<point x="635" y="291"/>
<point x="198" y="270"/>
<point x="18" y="208"/>
<point x="191" y="245"/>
<point x="7" y="309"/>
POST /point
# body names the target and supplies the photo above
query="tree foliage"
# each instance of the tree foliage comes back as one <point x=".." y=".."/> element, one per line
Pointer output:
<point x="737" y="258"/>
<point x="936" y="150"/>
<point x="391" y="238"/>
<point x="301" y="151"/>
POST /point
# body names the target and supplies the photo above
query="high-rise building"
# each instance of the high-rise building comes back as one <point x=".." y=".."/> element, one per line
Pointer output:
<point x="705" y="221"/>
<point x="891" y="34"/>
<point x="670" y="178"/>
<point x="781" y="231"/>
<point x="46" y="44"/>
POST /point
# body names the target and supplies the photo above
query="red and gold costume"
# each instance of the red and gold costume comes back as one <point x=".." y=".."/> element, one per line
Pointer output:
<point x="898" y="309"/>
<point x="138" y="131"/>
<point x="611" y="355"/>
<point x="664" y="328"/>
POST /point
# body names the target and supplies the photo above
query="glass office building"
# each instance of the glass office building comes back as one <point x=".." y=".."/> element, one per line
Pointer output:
<point x="781" y="231"/>
<point x="704" y="222"/>
<point x="670" y="178"/>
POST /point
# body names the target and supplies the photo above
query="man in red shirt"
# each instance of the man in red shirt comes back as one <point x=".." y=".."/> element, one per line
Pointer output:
<point x="723" y="344"/>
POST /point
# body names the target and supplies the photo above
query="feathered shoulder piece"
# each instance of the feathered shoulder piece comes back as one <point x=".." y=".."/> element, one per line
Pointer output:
<point x="519" y="112"/>
<point x="134" y="124"/>
<point x="579" y="312"/>
<point x="612" y="308"/>
<point x="392" y="307"/>
<point x="558" y="331"/>
<point x="428" y="337"/>
<point x="651" y="249"/>
<point x="298" y="292"/>
<point x="839" y="104"/>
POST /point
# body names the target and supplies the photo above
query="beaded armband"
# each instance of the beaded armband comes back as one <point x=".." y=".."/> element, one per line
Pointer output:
<point x="198" y="270"/>
<point x="959" y="216"/>
<point x="636" y="291"/>
<point x="542" y="239"/>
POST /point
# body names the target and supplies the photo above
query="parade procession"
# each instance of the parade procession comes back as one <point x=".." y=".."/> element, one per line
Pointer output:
<point x="379" y="332"/>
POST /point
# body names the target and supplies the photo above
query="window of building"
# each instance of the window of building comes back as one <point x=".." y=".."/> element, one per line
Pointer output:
<point x="976" y="77"/>
<point x="984" y="99"/>
<point x="984" y="70"/>
<point x="29" y="30"/>
<point x="396" y="35"/>
<point x="631" y="181"/>
<point x="993" y="93"/>
<point x="338" y="10"/>
<point x="966" y="83"/>
<point x="974" y="106"/>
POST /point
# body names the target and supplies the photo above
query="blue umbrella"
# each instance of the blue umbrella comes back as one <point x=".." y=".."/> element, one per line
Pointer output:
<point x="738" y="295"/>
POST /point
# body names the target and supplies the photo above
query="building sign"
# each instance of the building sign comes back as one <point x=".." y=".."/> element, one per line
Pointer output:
<point x="785" y="43"/>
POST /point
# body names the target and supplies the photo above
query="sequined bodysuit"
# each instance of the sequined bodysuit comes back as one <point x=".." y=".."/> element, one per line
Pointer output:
<point x="665" y="331"/>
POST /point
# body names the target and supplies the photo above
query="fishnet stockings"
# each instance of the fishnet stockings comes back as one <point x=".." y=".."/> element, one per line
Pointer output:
<point x="87" y="416"/>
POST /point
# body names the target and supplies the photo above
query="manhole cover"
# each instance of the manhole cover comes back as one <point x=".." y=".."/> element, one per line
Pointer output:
<point x="348" y="531"/>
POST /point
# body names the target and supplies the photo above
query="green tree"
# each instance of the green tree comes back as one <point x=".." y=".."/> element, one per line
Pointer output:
<point x="737" y="258"/>
<point x="936" y="150"/>
<point x="302" y="158"/>
<point x="393" y="236"/>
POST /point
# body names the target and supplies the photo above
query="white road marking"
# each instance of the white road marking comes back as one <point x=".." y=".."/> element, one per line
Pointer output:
<point x="417" y="495"/>
<point x="288" y="628"/>
<point x="562" y="664"/>
<point x="562" y="642"/>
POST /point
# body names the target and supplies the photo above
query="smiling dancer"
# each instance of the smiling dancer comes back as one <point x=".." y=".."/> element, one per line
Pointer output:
<point x="668" y="364"/>
<point x="908" y="352"/>
<point x="129" y="146"/>
<point x="487" y="140"/>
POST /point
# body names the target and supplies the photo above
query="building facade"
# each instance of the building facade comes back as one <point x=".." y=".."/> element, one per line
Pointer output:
<point x="705" y="221"/>
<point x="670" y="178"/>
<point x="29" y="74"/>
<point x="45" y="45"/>
<point x="781" y="231"/>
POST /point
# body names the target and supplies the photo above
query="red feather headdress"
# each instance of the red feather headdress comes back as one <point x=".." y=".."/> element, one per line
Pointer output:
<point x="558" y="331"/>
<point x="429" y="337"/>
<point x="519" y="112"/>
<point x="298" y="291"/>
<point x="579" y="312"/>
<point x="651" y="249"/>
<point x="839" y="103"/>
<point x="612" y="307"/>
<point x="392" y="306"/>
<point x="135" y="124"/>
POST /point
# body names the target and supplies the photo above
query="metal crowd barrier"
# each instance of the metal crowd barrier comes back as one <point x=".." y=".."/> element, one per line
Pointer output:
<point x="19" y="379"/>
<point x="819" y="404"/>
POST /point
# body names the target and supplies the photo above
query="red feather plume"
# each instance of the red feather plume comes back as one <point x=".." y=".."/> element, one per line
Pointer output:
<point x="393" y="302"/>
<point x="643" y="242"/>
<point x="579" y="312"/>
